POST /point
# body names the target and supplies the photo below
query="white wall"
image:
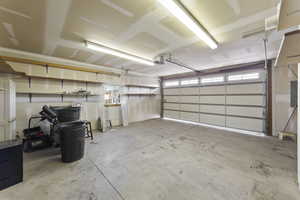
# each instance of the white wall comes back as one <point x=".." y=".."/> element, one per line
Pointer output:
<point x="281" y="99"/>
<point x="143" y="107"/>
<point x="140" y="103"/>
<point x="91" y="109"/>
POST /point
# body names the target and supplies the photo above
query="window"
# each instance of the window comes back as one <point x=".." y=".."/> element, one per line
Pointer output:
<point x="213" y="79"/>
<point x="112" y="94"/>
<point x="171" y="83"/>
<point x="240" y="77"/>
<point x="190" y="82"/>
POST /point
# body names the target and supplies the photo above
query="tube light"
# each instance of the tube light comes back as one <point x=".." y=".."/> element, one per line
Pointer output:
<point x="185" y="17"/>
<point x="114" y="52"/>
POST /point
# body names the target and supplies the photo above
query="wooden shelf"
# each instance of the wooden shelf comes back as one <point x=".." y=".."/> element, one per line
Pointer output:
<point x="55" y="93"/>
<point x="142" y="86"/>
<point x="140" y="94"/>
<point x="63" y="79"/>
<point x="112" y="105"/>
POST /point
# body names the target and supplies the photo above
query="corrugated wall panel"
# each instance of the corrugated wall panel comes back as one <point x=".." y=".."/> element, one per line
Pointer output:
<point x="189" y="99"/>
<point x="171" y="98"/>
<point x="186" y="116"/>
<point x="246" y="89"/>
<point x="212" y="119"/>
<point x="172" y="114"/>
<point x="189" y="91"/>
<point x="212" y="109"/>
<point x="212" y="99"/>
<point x="212" y="90"/>
<point x="245" y="111"/>
<point x="172" y="106"/>
<point x="245" y="100"/>
<point x="243" y="123"/>
<point x="171" y="91"/>
<point x="189" y="107"/>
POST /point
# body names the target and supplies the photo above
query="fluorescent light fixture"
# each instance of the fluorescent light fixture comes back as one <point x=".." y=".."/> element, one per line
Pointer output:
<point x="213" y="79"/>
<point x="114" y="52"/>
<point x="240" y="77"/>
<point x="185" y="17"/>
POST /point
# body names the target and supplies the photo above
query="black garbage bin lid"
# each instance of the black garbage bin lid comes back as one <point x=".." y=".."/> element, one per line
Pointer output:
<point x="73" y="123"/>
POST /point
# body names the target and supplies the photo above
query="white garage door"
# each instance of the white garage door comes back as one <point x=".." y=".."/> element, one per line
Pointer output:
<point x="233" y="100"/>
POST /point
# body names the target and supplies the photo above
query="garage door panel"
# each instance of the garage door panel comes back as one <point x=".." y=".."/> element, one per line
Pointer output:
<point x="171" y="91"/>
<point x="212" y="99"/>
<point x="212" y="109"/>
<point x="191" y="90"/>
<point x="245" y="111"/>
<point x="171" y="98"/>
<point x="245" y="100"/>
<point x="172" y="106"/>
<point x="189" y="99"/>
<point x="172" y="114"/>
<point x="186" y="116"/>
<point x="245" y="123"/>
<point x="212" y="90"/>
<point x="189" y="107"/>
<point x="234" y="103"/>
<point x="212" y="119"/>
<point x="246" y="89"/>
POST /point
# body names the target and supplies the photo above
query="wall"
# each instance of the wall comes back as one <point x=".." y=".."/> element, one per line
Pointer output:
<point x="281" y="99"/>
<point x="91" y="108"/>
<point x="142" y="102"/>
<point x="143" y="107"/>
<point x="38" y="85"/>
<point x="33" y="93"/>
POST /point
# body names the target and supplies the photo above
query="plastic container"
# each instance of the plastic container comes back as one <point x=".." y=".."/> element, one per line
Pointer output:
<point x="66" y="113"/>
<point x="72" y="135"/>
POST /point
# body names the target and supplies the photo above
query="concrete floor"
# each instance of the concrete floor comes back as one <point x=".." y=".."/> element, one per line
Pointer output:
<point x="160" y="159"/>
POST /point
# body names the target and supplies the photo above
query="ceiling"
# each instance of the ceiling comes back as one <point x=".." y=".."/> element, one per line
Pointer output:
<point x="143" y="27"/>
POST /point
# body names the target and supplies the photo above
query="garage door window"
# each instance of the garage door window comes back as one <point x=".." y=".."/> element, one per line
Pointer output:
<point x="171" y="83"/>
<point x="239" y="77"/>
<point x="216" y="79"/>
<point x="190" y="82"/>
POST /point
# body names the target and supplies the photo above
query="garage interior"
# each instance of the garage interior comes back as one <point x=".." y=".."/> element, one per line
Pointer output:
<point x="152" y="99"/>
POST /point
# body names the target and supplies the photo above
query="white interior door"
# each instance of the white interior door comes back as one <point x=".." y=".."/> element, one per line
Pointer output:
<point x="7" y="110"/>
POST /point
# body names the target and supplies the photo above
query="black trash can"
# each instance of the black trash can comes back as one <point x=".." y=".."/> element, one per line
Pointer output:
<point x="72" y="136"/>
<point x="66" y="113"/>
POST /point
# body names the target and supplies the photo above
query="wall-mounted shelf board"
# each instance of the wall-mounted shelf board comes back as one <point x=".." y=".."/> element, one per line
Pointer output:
<point x="112" y="105"/>
<point x="56" y="93"/>
<point x="140" y="94"/>
<point x="64" y="79"/>
<point x="142" y="86"/>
